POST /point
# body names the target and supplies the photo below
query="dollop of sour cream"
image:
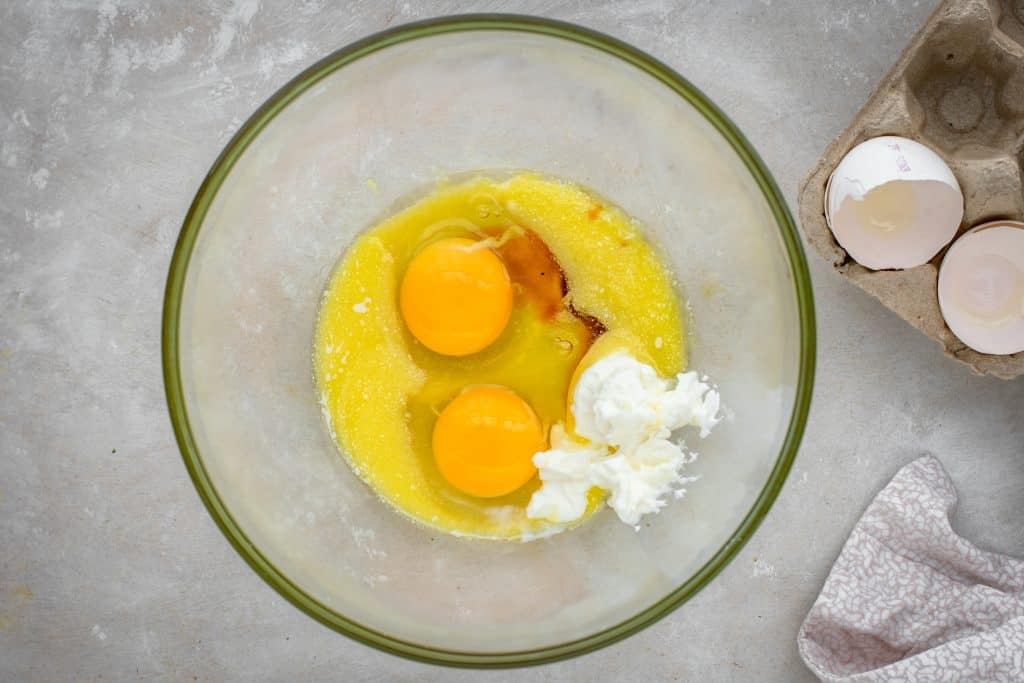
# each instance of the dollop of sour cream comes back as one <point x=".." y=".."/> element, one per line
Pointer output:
<point x="624" y="415"/>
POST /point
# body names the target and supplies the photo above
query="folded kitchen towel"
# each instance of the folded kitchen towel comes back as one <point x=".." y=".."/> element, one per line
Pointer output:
<point x="910" y="600"/>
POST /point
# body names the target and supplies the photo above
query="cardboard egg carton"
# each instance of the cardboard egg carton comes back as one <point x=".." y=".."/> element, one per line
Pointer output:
<point x="959" y="89"/>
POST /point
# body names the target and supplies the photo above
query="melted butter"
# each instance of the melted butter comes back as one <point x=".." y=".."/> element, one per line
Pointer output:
<point x="578" y="268"/>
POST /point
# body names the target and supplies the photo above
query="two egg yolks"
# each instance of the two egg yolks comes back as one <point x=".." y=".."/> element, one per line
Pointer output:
<point x="456" y="299"/>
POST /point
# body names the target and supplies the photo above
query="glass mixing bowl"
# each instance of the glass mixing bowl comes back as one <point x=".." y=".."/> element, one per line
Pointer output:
<point x="378" y="123"/>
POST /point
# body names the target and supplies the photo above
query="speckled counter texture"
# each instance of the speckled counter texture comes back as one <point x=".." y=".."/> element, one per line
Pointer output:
<point x="110" y="567"/>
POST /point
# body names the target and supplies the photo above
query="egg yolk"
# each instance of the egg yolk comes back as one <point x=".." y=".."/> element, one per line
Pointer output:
<point x="456" y="296"/>
<point x="484" y="441"/>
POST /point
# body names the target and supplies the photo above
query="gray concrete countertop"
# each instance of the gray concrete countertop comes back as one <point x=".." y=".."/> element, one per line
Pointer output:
<point x="111" y="114"/>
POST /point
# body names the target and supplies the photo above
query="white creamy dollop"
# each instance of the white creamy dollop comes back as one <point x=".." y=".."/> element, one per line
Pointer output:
<point x="627" y="414"/>
<point x="566" y="472"/>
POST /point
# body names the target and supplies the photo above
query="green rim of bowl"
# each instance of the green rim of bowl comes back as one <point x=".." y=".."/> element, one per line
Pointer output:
<point x="237" y="146"/>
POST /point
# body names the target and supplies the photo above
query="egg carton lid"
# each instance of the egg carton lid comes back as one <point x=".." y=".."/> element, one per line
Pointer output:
<point x="958" y="87"/>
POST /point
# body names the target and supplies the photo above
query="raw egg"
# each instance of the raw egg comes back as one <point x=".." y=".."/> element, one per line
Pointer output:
<point x="484" y="441"/>
<point x="456" y="296"/>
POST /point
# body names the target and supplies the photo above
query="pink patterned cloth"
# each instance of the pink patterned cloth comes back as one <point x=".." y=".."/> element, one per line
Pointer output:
<point x="910" y="600"/>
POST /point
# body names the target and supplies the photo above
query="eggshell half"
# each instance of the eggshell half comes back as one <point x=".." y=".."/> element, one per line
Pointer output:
<point x="893" y="203"/>
<point x="981" y="288"/>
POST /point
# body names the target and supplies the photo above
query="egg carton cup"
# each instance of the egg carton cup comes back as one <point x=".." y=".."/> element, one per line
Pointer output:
<point x="958" y="88"/>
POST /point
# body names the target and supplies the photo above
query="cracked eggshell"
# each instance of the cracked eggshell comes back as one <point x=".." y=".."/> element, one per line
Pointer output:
<point x="981" y="288"/>
<point x="893" y="203"/>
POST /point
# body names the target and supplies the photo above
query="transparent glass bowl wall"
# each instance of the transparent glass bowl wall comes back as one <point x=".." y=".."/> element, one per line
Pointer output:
<point x="374" y="126"/>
